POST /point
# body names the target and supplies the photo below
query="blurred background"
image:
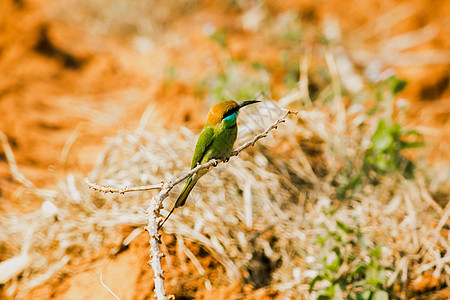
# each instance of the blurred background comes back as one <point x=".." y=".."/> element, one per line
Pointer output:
<point x="75" y="74"/>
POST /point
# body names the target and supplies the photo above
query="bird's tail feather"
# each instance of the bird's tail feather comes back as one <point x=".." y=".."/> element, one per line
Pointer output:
<point x="185" y="192"/>
<point x="182" y="198"/>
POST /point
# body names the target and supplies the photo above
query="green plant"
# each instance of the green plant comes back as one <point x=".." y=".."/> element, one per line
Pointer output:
<point x="348" y="268"/>
<point x="348" y="181"/>
<point x="396" y="84"/>
<point x="385" y="91"/>
<point x="219" y="36"/>
<point x="384" y="155"/>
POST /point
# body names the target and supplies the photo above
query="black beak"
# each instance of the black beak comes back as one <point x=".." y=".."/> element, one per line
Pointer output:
<point x="245" y="103"/>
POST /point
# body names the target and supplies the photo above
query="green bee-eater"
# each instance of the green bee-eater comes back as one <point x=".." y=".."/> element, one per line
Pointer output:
<point x="215" y="141"/>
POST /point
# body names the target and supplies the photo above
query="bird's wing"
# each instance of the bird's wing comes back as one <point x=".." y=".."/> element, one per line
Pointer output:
<point x="203" y="143"/>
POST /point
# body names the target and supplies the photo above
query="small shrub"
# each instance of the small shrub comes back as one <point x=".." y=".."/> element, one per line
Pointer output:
<point x="348" y="268"/>
<point x="384" y="155"/>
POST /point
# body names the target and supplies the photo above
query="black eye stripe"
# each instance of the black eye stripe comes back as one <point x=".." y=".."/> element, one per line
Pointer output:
<point x="230" y="112"/>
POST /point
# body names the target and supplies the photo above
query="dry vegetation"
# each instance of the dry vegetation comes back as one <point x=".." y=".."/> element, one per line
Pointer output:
<point x="336" y="203"/>
<point x="271" y="217"/>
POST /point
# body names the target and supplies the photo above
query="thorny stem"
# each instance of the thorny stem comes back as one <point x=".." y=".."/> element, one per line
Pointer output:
<point x="155" y="204"/>
<point x="122" y="190"/>
<point x="153" y="214"/>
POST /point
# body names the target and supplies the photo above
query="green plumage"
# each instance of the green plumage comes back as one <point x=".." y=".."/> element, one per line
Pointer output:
<point x="215" y="141"/>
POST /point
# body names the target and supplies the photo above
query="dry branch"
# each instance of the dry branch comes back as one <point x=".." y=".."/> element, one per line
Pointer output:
<point x="121" y="190"/>
<point x="155" y="204"/>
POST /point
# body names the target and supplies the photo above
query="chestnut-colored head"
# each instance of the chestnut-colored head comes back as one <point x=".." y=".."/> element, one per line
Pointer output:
<point x="224" y="109"/>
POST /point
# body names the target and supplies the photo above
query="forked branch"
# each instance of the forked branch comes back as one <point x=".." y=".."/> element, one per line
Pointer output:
<point x="155" y="204"/>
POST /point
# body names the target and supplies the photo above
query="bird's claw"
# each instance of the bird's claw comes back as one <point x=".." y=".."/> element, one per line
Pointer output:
<point x="215" y="163"/>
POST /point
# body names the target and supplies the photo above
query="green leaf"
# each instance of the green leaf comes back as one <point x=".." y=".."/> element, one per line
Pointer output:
<point x="396" y="84"/>
<point x="409" y="145"/>
<point x="314" y="280"/>
<point x="220" y="37"/>
<point x="321" y="240"/>
<point x="355" y="182"/>
<point x="408" y="172"/>
<point x="380" y="295"/>
<point x="359" y="270"/>
<point x="375" y="274"/>
<point x="330" y="290"/>
<point x="337" y="250"/>
<point x="343" y="227"/>
<point x="413" y="132"/>
<point x="365" y="295"/>
<point x="334" y="266"/>
<point x="376" y="252"/>
<point x="382" y="138"/>
<point x="373" y="265"/>
<point x="381" y="163"/>
<point x="395" y="130"/>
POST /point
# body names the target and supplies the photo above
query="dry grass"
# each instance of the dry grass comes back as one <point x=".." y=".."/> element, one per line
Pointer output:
<point x="259" y="214"/>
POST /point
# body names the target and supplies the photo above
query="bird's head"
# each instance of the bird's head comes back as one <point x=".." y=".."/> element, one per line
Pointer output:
<point x="226" y="111"/>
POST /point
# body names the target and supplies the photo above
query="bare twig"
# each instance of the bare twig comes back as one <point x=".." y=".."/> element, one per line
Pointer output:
<point x="263" y="134"/>
<point x="153" y="218"/>
<point x="120" y="190"/>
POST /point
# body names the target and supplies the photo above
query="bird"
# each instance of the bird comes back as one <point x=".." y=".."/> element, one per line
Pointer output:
<point x="215" y="142"/>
